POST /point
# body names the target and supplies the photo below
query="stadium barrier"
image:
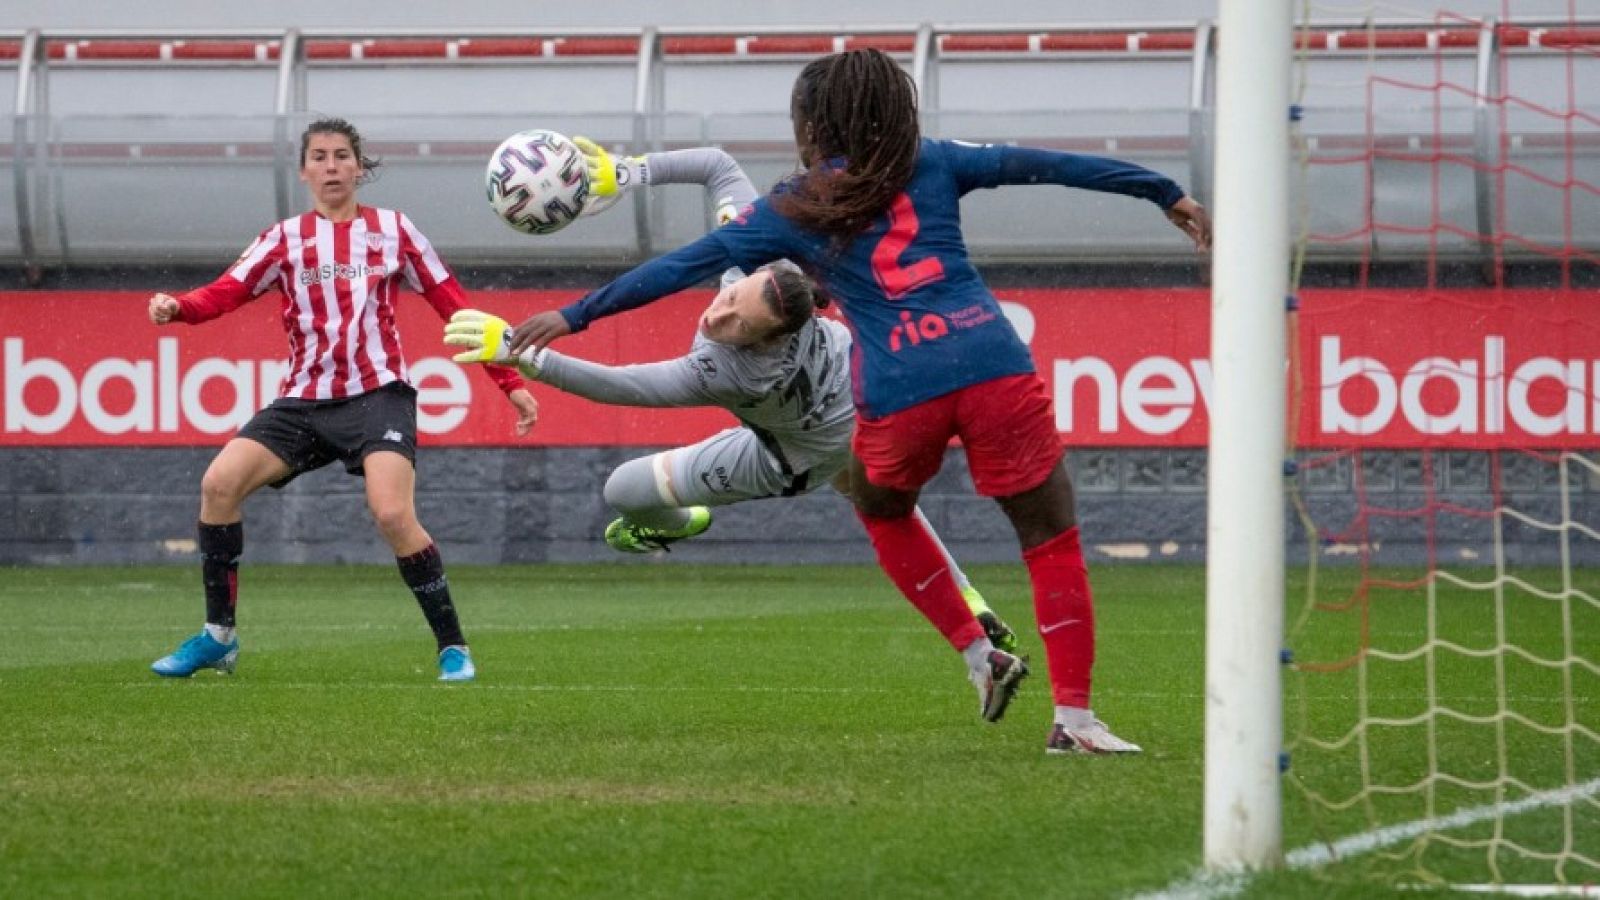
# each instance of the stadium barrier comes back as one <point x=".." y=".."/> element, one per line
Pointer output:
<point x="1141" y="93"/>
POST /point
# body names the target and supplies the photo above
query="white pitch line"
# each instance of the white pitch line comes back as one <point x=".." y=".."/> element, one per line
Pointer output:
<point x="751" y="689"/>
<point x="517" y="688"/>
<point x="1206" y="885"/>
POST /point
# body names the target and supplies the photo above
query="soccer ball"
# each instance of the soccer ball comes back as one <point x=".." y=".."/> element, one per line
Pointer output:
<point x="536" y="181"/>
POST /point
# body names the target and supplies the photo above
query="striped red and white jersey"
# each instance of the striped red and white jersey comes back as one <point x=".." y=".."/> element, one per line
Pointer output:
<point x="339" y="282"/>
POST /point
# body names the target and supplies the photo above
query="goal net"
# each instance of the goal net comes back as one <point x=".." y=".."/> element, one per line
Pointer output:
<point x="1443" y="646"/>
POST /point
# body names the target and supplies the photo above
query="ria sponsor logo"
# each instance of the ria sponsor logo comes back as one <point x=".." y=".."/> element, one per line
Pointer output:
<point x="913" y="331"/>
<point x="117" y="396"/>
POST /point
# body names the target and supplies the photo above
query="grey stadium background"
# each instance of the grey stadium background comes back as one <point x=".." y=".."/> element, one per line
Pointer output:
<point x="543" y="504"/>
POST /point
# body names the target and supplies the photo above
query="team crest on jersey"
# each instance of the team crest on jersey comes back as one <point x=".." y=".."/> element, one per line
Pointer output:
<point x="374" y="241"/>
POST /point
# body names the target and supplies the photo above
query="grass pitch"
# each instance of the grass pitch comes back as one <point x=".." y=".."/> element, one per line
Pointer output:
<point x="641" y="731"/>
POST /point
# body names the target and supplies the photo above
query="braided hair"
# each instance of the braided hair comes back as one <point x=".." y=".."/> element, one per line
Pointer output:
<point x="855" y="122"/>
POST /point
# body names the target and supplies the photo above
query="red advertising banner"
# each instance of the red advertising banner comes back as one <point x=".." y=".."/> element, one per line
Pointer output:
<point x="1379" y="368"/>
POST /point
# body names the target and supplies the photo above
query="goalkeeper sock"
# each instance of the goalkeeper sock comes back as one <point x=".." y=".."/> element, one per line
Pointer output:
<point x="424" y="574"/>
<point x="220" y="549"/>
<point x="640" y="490"/>
<point x="955" y="568"/>
<point x="1065" y="612"/>
<point x="977" y="653"/>
<point x="911" y="559"/>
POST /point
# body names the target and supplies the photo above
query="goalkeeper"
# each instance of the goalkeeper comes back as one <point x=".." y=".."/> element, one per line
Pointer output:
<point x="759" y="352"/>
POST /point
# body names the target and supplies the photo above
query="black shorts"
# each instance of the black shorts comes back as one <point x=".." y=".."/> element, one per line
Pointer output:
<point x="309" y="434"/>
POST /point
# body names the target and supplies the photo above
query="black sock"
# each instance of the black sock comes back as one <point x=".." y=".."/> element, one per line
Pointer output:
<point x="220" y="548"/>
<point x="424" y="574"/>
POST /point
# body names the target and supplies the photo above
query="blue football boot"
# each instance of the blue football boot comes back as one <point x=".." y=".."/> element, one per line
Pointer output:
<point x="455" y="664"/>
<point x="199" y="652"/>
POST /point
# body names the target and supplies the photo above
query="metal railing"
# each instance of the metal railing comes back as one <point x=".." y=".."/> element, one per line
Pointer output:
<point x="651" y="51"/>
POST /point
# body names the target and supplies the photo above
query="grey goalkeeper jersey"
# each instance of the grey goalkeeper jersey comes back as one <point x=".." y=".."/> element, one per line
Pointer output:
<point x="794" y="395"/>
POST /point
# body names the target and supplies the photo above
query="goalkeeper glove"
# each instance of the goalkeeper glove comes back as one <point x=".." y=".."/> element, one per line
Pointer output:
<point x="609" y="176"/>
<point x="727" y="211"/>
<point x="487" y="338"/>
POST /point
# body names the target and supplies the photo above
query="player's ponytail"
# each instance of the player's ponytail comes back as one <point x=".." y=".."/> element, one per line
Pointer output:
<point x="790" y="295"/>
<point x="855" y="122"/>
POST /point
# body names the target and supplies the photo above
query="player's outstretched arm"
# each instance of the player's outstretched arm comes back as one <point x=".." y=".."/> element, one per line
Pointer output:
<point x="672" y="383"/>
<point x="612" y="176"/>
<point x="992" y="165"/>
<point x="202" y="304"/>
<point x="663" y="276"/>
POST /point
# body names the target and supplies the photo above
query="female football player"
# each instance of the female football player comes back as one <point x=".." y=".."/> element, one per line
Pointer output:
<point x="346" y="397"/>
<point x="759" y="352"/>
<point x="873" y="216"/>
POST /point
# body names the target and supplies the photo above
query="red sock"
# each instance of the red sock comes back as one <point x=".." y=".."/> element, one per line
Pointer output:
<point x="1065" y="612"/>
<point x="911" y="559"/>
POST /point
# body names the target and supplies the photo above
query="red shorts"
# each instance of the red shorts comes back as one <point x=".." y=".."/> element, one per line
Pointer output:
<point x="1007" y="426"/>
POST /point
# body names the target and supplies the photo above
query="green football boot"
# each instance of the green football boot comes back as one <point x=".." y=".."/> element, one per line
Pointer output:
<point x="627" y="537"/>
<point x="997" y="631"/>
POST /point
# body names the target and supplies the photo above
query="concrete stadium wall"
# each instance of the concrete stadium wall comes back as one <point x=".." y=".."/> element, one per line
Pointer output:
<point x="88" y="506"/>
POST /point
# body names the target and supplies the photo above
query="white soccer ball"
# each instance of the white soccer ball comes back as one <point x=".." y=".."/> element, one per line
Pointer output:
<point x="536" y="181"/>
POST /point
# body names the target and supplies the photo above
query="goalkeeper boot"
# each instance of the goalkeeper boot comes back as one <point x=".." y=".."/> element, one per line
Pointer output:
<point x="629" y="537"/>
<point x="455" y="664"/>
<point x="199" y="652"/>
<point x="994" y="628"/>
<point x="1095" y="739"/>
<point x="997" y="681"/>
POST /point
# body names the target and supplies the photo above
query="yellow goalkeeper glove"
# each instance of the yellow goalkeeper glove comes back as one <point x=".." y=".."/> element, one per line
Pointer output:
<point x="609" y="176"/>
<point x="727" y="211"/>
<point x="487" y="337"/>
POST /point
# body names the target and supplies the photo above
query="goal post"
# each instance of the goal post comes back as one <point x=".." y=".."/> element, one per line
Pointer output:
<point x="1245" y="494"/>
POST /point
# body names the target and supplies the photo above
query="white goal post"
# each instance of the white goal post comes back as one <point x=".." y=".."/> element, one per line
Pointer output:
<point x="1245" y="502"/>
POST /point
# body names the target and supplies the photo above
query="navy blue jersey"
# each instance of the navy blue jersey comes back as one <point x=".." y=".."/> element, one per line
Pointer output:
<point x="924" y="322"/>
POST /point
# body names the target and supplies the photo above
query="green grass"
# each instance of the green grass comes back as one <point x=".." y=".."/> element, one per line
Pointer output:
<point x="635" y="731"/>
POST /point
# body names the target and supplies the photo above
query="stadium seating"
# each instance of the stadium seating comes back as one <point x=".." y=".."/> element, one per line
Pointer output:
<point x="222" y="109"/>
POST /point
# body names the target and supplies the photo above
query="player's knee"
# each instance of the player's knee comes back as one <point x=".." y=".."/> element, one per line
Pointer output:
<point x="632" y="487"/>
<point x="881" y="502"/>
<point x="221" y="487"/>
<point x="393" y="518"/>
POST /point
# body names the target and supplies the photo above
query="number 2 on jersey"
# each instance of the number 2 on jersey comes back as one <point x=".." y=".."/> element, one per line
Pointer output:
<point x="895" y="279"/>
